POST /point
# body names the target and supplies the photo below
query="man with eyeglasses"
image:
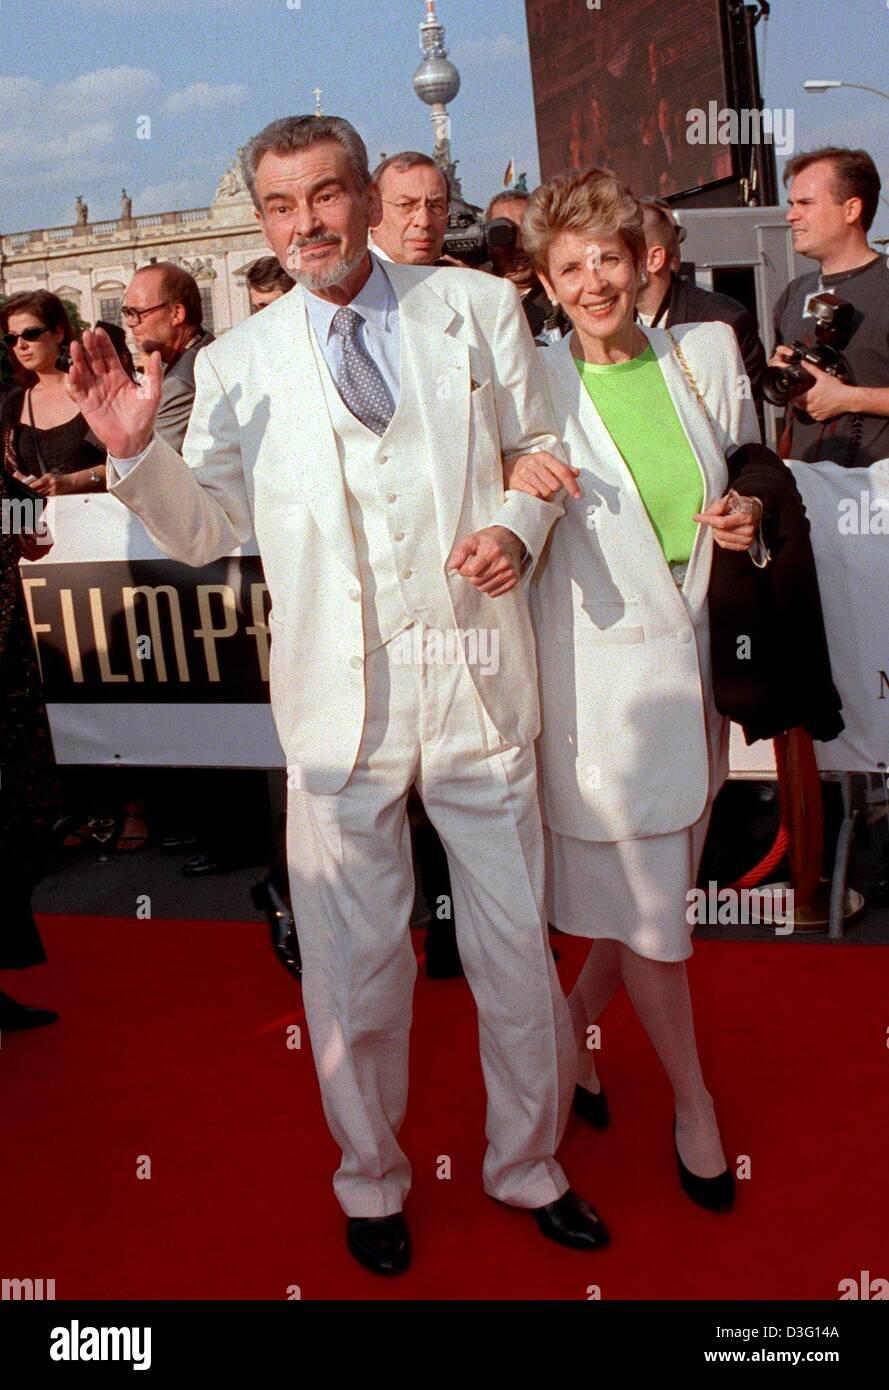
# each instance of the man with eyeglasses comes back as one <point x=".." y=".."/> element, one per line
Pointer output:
<point x="416" y="197"/>
<point x="162" y="310"/>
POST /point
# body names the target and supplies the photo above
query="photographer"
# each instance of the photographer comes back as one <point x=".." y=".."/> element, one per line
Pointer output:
<point x="842" y="415"/>
<point x="510" y="261"/>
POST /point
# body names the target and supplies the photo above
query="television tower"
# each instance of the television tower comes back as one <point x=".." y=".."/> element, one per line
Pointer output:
<point x="436" y="82"/>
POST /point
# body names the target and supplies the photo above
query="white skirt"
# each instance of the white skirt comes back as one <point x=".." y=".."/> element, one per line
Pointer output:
<point x="634" y="891"/>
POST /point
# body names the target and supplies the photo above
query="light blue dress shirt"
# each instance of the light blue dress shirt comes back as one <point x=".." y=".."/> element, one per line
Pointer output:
<point x="377" y="334"/>
<point x="377" y="304"/>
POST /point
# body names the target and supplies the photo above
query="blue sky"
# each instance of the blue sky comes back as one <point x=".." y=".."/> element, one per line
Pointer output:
<point x="76" y="75"/>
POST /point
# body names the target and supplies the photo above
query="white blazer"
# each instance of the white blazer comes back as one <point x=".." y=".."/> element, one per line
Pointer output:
<point x="260" y="456"/>
<point x="631" y="742"/>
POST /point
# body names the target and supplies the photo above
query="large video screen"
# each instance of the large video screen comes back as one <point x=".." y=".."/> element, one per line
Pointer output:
<point x="613" y="86"/>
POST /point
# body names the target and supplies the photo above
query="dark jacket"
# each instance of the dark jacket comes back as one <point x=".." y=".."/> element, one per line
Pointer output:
<point x="686" y="302"/>
<point x="541" y="314"/>
<point x="177" y="394"/>
<point x="779" y="677"/>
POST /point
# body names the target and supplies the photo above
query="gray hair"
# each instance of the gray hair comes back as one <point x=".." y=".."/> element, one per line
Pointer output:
<point x="298" y="133"/>
<point x="410" y="159"/>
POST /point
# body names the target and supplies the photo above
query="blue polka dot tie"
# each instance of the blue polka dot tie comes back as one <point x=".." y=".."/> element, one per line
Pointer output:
<point x="361" y="383"/>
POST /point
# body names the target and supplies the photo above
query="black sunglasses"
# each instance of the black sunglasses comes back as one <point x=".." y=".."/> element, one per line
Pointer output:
<point x="30" y="335"/>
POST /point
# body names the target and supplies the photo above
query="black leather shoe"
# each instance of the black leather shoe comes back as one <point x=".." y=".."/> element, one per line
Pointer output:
<point x="202" y="865"/>
<point x="572" y="1221"/>
<point x="380" y="1243"/>
<point x="179" y="844"/>
<point x="285" y="943"/>
<point x="715" y="1194"/>
<point x="590" y="1107"/>
<point x="16" y="1017"/>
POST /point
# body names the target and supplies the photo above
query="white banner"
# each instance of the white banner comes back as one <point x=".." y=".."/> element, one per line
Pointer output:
<point x="848" y="511"/>
<point x="149" y="662"/>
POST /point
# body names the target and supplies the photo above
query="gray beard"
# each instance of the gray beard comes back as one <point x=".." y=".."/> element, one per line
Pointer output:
<point x="323" y="279"/>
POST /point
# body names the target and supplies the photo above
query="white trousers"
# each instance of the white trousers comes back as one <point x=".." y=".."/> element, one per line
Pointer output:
<point x="351" y="878"/>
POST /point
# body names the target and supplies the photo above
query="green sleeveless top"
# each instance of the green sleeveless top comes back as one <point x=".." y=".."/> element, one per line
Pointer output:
<point x="636" y="409"/>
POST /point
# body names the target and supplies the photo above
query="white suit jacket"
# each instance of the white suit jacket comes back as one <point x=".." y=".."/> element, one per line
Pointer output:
<point x="631" y="743"/>
<point x="260" y="456"/>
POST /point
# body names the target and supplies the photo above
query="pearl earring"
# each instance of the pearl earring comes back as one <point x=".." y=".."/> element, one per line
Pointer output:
<point x="643" y="279"/>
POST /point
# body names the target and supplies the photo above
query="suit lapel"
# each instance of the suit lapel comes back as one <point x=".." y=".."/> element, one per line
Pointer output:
<point x="299" y="397"/>
<point x="433" y="405"/>
<point x="435" y="391"/>
<point x="710" y="458"/>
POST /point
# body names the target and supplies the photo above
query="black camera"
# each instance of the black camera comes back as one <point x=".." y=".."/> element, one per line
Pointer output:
<point x="468" y="241"/>
<point x="833" y="329"/>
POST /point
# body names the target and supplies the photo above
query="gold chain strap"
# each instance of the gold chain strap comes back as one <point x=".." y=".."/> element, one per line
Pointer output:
<point x="689" y="376"/>
<point x="759" y="551"/>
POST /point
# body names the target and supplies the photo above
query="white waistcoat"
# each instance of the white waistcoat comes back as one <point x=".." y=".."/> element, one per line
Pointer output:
<point x="392" y="513"/>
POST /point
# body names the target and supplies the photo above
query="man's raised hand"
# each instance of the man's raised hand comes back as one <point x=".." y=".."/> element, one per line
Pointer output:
<point x="117" y="410"/>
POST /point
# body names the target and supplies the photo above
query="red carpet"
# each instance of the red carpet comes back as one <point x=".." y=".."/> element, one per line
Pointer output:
<point x="172" y="1044"/>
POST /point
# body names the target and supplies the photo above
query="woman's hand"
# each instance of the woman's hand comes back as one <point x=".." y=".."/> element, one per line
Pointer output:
<point x="53" y="485"/>
<point x="734" y="527"/>
<point x="119" y="412"/>
<point x="540" y="475"/>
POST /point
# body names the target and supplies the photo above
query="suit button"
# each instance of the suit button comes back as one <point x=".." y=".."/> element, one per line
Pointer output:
<point x="406" y="574"/>
<point x="391" y="497"/>
<point x="399" y="536"/>
<point x="383" y="458"/>
<point x="354" y="595"/>
<point x="356" y="662"/>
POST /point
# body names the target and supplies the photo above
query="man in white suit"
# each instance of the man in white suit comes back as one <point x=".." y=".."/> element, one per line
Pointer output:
<point x="357" y="426"/>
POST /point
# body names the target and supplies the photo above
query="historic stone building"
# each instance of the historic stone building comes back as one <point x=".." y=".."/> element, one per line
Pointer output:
<point x="91" y="263"/>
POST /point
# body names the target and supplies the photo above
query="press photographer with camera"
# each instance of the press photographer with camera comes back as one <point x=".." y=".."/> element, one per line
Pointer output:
<point x="510" y="261"/>
<point x="830" y="366"/>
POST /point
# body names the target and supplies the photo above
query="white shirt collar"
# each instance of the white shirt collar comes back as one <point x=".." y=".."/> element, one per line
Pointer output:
<point x="378" y="251"/>
<point x="375" y="302"/>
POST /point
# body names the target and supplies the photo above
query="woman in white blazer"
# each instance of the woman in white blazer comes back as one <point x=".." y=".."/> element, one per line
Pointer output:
<point x="632" y="749"/>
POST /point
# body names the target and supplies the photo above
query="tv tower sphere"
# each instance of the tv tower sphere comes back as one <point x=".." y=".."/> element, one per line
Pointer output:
<point x="436" y="80"/>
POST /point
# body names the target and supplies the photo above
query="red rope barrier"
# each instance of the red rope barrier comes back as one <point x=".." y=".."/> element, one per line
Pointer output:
<point x="767" y="864"/>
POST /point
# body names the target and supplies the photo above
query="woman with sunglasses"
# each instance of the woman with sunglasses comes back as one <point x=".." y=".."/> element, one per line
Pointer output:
<point x="46" y="441"/>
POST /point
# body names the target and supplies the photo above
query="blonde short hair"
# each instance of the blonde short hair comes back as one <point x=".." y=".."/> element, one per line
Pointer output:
<point x="593" y="202"/>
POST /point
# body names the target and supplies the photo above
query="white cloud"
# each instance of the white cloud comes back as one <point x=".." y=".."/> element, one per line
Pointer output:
<point x="204" y="96"/>
<point x="61" y="139"/>
<point x="62" y="145"/>
<point x="107" y="88"/>
<point x="44" y="126"/>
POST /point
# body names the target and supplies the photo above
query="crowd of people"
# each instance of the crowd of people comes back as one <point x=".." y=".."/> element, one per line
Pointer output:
<point x="594" y="470"/>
